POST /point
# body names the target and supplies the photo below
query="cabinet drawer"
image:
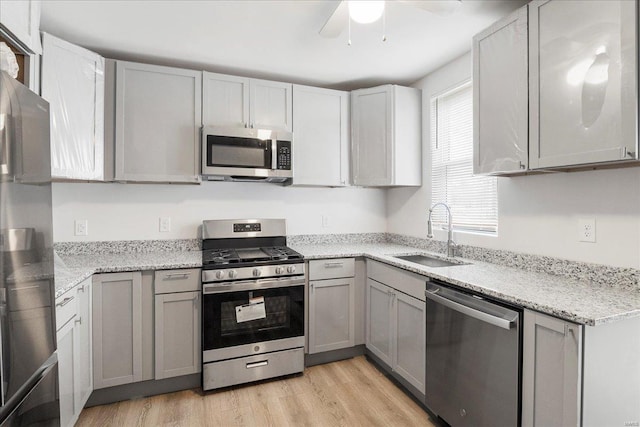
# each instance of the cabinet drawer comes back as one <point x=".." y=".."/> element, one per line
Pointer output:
<point x="401" y="280"/>
<point x="182" y="280"/>
<point x="66" y="308"/>
<point x="331" y="268"/>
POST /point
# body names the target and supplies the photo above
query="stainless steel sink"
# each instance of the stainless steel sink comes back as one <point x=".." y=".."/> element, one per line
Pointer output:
<point x="428" y="261"/>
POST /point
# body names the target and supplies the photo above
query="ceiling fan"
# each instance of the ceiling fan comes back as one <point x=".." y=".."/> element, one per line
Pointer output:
<point x="344" y="12"/>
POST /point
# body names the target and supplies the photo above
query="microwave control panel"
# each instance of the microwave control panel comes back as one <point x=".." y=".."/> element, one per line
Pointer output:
<point x="284" y="155"/>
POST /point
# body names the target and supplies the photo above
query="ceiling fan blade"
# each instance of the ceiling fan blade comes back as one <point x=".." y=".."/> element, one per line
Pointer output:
<point x="336" y="22"/>
<point x="439" y="7"/>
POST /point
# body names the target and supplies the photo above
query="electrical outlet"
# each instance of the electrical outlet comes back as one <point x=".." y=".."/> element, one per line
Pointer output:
<point x="587" y="230"/>
<point x="81" y="227"/>
<point x="325" y="221"/>
<point x="165" y="224"/>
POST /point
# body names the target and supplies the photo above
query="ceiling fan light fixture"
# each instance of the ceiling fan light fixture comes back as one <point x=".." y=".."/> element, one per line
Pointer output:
<point x="366" y="12"/>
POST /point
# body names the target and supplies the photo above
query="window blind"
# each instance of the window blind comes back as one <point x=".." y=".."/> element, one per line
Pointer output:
<point x="473" y="199"/>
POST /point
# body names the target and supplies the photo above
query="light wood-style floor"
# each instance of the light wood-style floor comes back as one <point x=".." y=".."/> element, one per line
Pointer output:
<point x="346" y="393"/>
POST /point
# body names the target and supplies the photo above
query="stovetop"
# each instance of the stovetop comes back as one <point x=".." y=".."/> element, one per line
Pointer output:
<point x="238" y="257"/>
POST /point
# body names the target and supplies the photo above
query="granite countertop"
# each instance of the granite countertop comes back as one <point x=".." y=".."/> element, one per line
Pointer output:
<point x="79" y="267"/>
<point x="570" y="299"/>
<point x="580" y="301"/>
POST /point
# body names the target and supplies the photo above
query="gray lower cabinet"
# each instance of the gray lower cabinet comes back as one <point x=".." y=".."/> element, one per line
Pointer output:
<point x="157" y="123"/>
<point x="396" y="322"/>
<point x="117" y="329"/>
<point x="379" y="321"/>
<point x="73" y="325"/>
<point x="177" y="324"/>
<point x="575" y="375"/>
<point x="331" y="304"/>
<point x="551" y="377"/>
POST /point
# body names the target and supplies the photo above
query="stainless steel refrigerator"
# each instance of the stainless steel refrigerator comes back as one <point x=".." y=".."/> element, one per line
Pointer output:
<point x="28" y="362"/>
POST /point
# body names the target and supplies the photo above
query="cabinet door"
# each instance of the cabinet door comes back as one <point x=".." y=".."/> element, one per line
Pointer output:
<point x="270" y="105"/>
<point x="372" y="136"/>
<point x="321" y="128"/>
<point x="500" y="96"/>
<point x="83" y="366"/>
<point x="225" y="100"/>
<point x="409" y="342"/>
<point x="331" y="314"/>
<point x="73" y="83"/>
<point x="551" y="371"/>
<point x="582" y="82"/>
<point x="117" y="329"/>
<point x="177" y="334"/>
<point x="22" y="19"/>
<point x="379" y="325"/>
<point x="158" y="116"/>
<point x="66" y="370"/>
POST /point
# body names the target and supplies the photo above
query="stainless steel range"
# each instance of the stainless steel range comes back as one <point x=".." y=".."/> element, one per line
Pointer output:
<point x="253" y="302"/>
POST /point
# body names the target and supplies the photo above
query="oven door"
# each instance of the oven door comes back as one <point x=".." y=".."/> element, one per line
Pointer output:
<point x="237" y="315"/>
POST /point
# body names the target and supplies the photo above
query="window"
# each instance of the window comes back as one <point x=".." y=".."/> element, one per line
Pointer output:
<point x="473" y="199"/>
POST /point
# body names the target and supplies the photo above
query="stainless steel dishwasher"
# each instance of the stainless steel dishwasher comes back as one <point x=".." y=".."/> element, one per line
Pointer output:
<point x="472" y="360"/>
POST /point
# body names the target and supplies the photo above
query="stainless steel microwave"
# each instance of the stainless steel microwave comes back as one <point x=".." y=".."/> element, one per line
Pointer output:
<point x="245" y="154"/>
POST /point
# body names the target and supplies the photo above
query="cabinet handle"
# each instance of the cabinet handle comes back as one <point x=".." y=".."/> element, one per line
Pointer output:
<point x="24" y="288"/>
<point x="246" y="125"/>
<point x="81" y="288"/>
<point x="176" y="276"/>
<point x="79" y="321"/>
<point x="196" y="297"/>
<point x="64" y="302"/>
<point x="333" y="264"/>
<point x="251" y="125"/>
<point x="311" y="286"/>
<point x="257" y="364"/>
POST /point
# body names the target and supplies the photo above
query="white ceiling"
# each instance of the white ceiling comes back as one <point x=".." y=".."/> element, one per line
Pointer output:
<point x="273" y="39"/>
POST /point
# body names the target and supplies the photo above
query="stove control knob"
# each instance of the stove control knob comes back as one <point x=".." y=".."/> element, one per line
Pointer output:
<point x="279" y="270"/>
<point x="219" y="274"/>
<point x="291" y="269"/>
<point x="257" y="272"/>
<point x="233" y="274"/>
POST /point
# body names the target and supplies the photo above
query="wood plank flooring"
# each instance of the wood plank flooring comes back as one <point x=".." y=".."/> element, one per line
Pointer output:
<point x="346" y="393"/>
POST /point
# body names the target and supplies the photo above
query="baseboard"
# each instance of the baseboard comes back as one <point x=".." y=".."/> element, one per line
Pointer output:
<point x="333" y="356"/>
<point x="143" y="389"/>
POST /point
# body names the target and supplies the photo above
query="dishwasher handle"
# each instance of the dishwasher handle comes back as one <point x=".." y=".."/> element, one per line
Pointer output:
<point x="469" y="311"/>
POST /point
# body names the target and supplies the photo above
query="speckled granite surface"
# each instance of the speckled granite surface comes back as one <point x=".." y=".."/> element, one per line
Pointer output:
<point x="581" y="292"/>
<point x="578" y="300"/>
<point x="126" y="246"/>
<point x="79" y="267"/>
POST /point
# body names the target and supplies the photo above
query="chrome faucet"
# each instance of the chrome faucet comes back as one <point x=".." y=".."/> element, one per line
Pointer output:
<point x="450" y="244"/>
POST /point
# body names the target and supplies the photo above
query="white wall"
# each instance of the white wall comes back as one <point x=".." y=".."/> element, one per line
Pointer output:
<point x="132" y="211"/>
<point x="536" y="214"/>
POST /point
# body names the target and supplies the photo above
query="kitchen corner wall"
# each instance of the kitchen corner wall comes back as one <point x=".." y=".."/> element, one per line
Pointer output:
<point x="132" y="211"/>
<point x="537" y="214"/>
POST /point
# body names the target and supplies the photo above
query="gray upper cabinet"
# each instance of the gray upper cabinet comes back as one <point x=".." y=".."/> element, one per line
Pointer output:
<point x="270" y="105"/>
<point x="551" y="371"/>
<point x="582" y="82"/>
<point x="225" y="100"/>
<point x="500" y="97"/>
<point x="157" y="125"/>
<point x="117" y="329"/>
<point x="321" y="128"/>
<point x="73" y="81"/>
<point x="177" y="323"/>
<point x="22" y="20"/>
<point x="244" y="102"/>
<point x="386" y="136"/>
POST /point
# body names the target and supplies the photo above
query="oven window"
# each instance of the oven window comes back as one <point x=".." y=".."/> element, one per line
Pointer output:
<point x="238" y="152"/>
<point x="282" y="316"/>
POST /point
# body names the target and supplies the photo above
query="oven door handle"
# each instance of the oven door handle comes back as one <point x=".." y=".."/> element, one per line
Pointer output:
<point x="250" y="285"/>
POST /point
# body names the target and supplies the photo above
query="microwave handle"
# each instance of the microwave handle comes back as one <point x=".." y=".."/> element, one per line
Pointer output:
<point x="274" y="153"/>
